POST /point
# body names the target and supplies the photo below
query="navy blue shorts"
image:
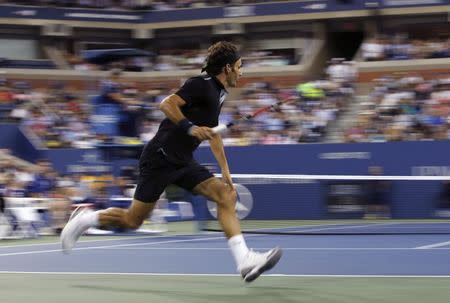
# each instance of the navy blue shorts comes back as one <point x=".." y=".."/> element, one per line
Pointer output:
<point x="156" y="173"/>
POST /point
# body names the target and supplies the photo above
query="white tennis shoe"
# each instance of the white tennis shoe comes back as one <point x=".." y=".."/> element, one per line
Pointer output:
<point x="255" y="263"/>
<point x="74" y="229"/>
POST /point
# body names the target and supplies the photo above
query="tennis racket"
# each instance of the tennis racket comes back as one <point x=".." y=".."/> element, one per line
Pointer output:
<point x="222" y="127"/>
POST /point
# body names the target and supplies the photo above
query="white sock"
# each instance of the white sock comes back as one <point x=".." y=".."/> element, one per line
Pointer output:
<point x="238" y="248"/>
<point x="90" y="219"/>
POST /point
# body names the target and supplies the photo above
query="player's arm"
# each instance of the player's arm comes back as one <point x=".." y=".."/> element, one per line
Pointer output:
<point x="218" y="151"/>
<point x="171" y="107"/>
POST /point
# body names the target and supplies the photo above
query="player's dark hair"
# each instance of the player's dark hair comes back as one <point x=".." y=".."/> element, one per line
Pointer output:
<point x="219" y="55"/>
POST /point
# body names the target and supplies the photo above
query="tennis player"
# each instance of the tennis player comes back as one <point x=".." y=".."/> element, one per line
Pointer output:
<point x="191" y="114"/>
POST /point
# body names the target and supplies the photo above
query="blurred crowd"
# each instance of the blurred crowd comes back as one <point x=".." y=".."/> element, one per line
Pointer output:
<point x="41" y="181"/>
<point x="306" y="118"/>
<point x="58" y="115"/>
<point x="406" y="108"/>
<point x="135" y="4"/>
<point x="315" y="105"/>
<point x="122" y="113"/>
<point x="53" y="195"/>
<point x="168" y="60"/>
<point x="188" y="59"/>
<point x="400" y="47"/>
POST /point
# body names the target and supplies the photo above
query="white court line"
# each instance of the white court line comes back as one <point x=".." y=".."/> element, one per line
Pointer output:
<point x="267" y="248"/>
<point x="434" y="245"/>
<point x="111" y="246"/>
<point x="214" y="275"/>
<point x="344" y="227"/>
<point x="81" y="241"/>
<point x="335" y="177"/>
<point x="119" y="238"/>
<point x="305" y="228"/>
<point x="128" y="247"/>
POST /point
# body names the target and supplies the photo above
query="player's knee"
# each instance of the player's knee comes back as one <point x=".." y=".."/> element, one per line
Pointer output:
<point x="233" y="196"/>
<point x="227" y="198"/>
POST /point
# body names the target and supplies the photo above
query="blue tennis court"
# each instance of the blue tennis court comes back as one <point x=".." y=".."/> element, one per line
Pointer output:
<point x="202" y="264"/>
<point x="208" y="254"/>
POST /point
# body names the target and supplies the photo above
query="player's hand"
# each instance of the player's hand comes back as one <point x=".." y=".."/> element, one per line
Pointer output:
<point x="202" y="133"/>
<point x="226" y="177"/>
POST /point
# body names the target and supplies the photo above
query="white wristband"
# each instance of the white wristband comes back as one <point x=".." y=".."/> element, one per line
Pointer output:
<point x="189" y="132"/>
<point x="219" y="128"/>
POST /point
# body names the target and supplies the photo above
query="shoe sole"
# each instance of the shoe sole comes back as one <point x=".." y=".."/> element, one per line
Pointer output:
<point x="272" y="260"/>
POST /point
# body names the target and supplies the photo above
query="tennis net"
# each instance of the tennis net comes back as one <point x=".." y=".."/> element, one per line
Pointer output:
<point x="340" y="205"/>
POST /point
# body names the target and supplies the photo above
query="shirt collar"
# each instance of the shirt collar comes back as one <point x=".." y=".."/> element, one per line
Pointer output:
<point x="218" y="83"/>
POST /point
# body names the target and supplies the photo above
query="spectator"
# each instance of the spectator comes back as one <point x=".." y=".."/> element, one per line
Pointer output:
<point x="377" y="195"/>
<point x="119" y="105"/>
<point x="373" y="50"/>
<point x="409" y="108"/>
<point x="444" y="199"/>
<point x="399" y="47"/>
<point x="5" y="227"/>
<point x="44" y="180"/>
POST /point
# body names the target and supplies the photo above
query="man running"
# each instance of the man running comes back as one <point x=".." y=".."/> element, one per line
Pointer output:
<point x="191" y="114"/>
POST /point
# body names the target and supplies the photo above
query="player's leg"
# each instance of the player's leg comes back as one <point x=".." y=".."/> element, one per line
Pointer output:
<point x="225" y="198"/>
<point x="84" y="219"/>
<point x="152" y="181"/>
<point x="216" y="190"/>
<point x="131" y="218"/>
<point x="199" y="180"/>
<point x="250" y="264"/>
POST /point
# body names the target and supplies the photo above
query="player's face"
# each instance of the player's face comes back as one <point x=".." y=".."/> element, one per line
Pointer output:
<point x="234" y="74"/>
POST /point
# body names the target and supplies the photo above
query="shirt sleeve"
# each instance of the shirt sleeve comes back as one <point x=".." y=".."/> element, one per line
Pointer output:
<point x="192" y="90"/>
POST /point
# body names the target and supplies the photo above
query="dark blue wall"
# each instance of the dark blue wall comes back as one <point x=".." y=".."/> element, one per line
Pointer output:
<point x="412" y="199"/>
<point x="408" y="199"/>
<point x="12" y="138"/>
<point x="290" y="201"/>
<point x="397" y="158"/>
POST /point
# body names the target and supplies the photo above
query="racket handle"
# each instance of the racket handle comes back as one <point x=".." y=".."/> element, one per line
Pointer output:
<point x="219" y="128"/>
